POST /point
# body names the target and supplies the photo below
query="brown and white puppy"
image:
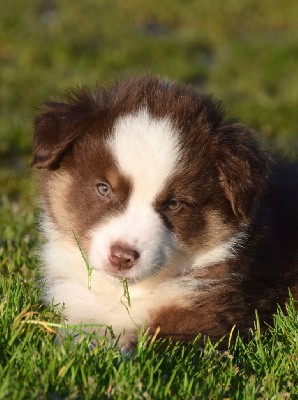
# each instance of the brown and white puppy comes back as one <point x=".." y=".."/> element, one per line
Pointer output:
<point x="161" y="191"/>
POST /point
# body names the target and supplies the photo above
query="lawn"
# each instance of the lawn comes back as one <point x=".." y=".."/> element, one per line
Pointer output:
<point x="246" y="53"/>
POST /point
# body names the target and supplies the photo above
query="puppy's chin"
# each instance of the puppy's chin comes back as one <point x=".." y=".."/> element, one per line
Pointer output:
<point x="131" y="275"/>
<point x="118" y="275"/>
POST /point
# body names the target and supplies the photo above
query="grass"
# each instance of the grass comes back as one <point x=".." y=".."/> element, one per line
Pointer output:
<point x="32" y="366"/>
<point x="245" y="52"/>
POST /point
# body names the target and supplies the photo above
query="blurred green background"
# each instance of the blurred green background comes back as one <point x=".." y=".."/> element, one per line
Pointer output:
<point x="243" y="51"/>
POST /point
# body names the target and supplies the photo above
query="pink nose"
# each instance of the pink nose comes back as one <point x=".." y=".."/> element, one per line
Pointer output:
<point x="122" y="256"/>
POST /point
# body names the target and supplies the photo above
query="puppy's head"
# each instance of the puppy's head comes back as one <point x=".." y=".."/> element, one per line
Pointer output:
<point x="147" y="175"/>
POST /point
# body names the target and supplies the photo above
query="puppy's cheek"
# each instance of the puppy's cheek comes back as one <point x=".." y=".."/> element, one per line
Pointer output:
<point x="157" y="253"/>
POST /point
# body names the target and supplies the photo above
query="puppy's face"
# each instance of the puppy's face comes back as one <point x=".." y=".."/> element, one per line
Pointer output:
<point x="133" y="239"/>
<point x="141" y="191"/>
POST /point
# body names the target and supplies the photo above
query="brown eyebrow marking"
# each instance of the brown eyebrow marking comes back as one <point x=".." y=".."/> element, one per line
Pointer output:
<point x="113" y="177"/>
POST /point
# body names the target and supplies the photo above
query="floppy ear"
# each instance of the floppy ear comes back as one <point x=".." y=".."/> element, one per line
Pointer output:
<point x="243" y="168"/>
<point x="59" y="126"/>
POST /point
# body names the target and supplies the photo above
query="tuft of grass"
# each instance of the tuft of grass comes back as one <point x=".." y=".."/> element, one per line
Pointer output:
<point x="86" y="261"/>
<point x="126" y="294"/>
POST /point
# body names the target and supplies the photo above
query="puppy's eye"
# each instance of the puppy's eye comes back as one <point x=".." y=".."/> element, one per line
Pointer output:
<point x="103" y="189"/>
<point x="172" y="204"/>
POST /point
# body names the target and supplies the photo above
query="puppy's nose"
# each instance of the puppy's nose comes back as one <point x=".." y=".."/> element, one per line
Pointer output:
<point x="122" y="256"/>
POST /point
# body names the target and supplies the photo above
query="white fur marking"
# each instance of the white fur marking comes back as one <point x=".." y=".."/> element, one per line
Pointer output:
<point x="222" y="252"/>
<point x="147" y="150"/>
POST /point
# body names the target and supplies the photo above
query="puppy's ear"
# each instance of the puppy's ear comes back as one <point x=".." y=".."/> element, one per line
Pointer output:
<point x="59" y="126"/>
<point x="243" y="168"/>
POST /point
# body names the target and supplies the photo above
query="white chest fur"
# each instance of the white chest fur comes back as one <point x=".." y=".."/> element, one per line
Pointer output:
<point x="104" y="302"/>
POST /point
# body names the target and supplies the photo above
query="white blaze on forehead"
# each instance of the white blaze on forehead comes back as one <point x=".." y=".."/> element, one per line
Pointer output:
<point x="147" y="150"/>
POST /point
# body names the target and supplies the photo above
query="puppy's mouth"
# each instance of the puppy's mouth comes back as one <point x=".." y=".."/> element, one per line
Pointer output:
<point x="119" y="273"/>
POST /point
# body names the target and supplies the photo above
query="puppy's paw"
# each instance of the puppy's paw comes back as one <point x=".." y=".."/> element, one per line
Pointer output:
<point x="127" y="344"/>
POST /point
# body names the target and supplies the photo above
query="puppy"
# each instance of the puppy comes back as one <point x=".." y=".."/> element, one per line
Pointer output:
<point x="157" y="212"/>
